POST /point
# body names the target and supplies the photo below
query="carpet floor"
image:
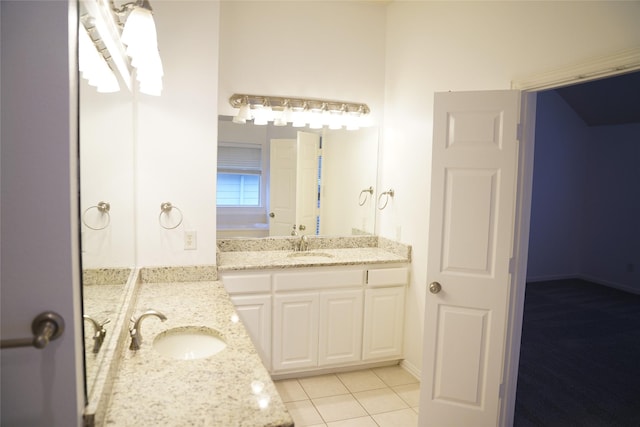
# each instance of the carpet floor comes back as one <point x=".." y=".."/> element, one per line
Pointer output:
<point x="579" y="357"/>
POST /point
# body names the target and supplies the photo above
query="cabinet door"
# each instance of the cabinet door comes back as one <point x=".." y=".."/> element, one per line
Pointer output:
<point x="255" y="313"/>
<point x="383" y="323"/>
<point x="295" y="331"/>
<point x="340" y="327"/>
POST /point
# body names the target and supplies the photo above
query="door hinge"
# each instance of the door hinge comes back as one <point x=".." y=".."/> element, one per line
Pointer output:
<point x="501" y="391"/>
<point x="512" y="265"/>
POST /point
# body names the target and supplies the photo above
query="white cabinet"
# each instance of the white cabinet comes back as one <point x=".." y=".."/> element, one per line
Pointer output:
<point x="321" y="326"/>
<point x="383" y="323"/>
<point x="340" y="334"/>
<point x="321" y="318"/>
<point x="295" y="330"/>
<point x="251" y="296"/>
<point x="255" y="313"/>
<point x="383" y="332"/>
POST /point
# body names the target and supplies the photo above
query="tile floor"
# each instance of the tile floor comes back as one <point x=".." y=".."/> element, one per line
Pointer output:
<point x="378" y="397"/>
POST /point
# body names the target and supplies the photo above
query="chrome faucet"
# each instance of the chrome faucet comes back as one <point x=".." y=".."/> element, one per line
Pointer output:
<point x="303" y="245"/>
<point x="99" y="332"/>
<point x="134" y="331"/>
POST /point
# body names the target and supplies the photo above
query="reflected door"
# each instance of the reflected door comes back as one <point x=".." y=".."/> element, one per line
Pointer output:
<point x="282" y="185"/>
<point x="293" y="176"/>
<point x="307" y="182"/>
<point x="470" y="245"/>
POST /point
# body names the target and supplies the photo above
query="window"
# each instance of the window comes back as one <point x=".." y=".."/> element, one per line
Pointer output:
<point x="239" y="175"/>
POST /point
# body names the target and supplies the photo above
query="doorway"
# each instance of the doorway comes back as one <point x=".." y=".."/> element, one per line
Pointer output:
<point x="581" y="195"/>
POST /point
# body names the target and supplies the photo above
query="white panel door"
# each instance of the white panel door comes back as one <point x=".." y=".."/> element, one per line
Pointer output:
<point x="282" y="186"/>
<point x="307" y="182"/>
<point x="255" y="313"/>
<point x="383" y="323"/>
<point x="340" y="327"/>
<point x="40" y="268"/>
<point x="295" y="331"/>
<point x="470" y="244"/>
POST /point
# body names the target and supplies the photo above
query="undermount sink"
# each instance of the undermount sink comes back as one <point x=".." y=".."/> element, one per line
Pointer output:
<point x="306" y="254"/>
<point x="188" y="343"/>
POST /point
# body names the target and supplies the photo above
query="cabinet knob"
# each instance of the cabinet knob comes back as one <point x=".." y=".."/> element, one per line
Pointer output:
<point x="435" y="287"/>
<point x="272" y="215"/>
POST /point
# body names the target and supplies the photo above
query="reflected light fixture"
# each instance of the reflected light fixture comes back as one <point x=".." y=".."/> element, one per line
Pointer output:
<point x="93" y="66"/>
<point x="300" y="112"/>
<point x="127" y="39"/>
<point x="140" y="37"/>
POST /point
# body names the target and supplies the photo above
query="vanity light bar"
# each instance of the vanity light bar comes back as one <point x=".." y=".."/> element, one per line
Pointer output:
<point x="299" y="111"/>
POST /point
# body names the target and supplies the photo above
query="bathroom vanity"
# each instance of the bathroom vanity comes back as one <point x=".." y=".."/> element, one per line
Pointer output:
<point x="323" y="309"/>
<point x="277" y="311"/>
<point x="229" y="388"/>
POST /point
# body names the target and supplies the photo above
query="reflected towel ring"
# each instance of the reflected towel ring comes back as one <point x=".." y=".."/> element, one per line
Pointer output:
<point x="362" y="201"/>
<point x="103" y="208"/>
<point x="166" y="208"/>
<point x="390" y="193"/>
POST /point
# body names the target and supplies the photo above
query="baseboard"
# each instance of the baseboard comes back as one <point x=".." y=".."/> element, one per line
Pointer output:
<point x="332" y="370"/>
<point x="587" y="278"/>
<point x="551" y="277"/>
<point x="609" y="284"/>
<point x="411" y="368"/>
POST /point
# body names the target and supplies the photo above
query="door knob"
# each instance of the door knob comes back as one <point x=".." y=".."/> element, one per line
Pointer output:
<point x="435" y="287"/>
<point x="272" y="215"/>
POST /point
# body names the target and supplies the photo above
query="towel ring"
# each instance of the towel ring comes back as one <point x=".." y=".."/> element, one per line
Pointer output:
<point x="166" y="208"/>
<point x="103" y="208"/>
<point x="390" y="193"/>
<point x="362" y="201"/>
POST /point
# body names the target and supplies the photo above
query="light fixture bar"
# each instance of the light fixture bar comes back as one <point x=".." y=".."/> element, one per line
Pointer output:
<point x="109" y="33"/>
<point x="300" y="112"/>
<point x="278" y="103"/>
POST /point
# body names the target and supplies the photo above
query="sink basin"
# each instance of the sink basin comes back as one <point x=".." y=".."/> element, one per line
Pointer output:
<point x="188" y="343"/>
<point x="306" y="254"/>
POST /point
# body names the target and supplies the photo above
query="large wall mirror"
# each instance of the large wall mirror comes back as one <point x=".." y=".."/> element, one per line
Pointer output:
<point x="107" y="213"/>
<point x="276" y="180"/>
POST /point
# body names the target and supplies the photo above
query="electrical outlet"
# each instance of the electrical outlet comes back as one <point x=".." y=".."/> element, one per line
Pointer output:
<point x="190" y="240"/>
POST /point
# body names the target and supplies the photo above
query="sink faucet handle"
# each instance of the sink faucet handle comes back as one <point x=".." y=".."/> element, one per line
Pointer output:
<point x="134" y="331"/>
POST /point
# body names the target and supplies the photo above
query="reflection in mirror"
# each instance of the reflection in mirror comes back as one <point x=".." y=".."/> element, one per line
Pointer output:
<point x="281" y="180"/>
<point x="107" y="207"/>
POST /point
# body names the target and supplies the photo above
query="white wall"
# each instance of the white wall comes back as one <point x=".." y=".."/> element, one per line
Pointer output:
<point x="557" y="206"/>
<point x="441" y="46"/>
<point x="349" y="165"/>
<point x="107" y="174"/>
<point x="585" y="200"/>
<point x="329" y="50"/>
<point x="176" y="138"/>
<point x="612" y="207"/>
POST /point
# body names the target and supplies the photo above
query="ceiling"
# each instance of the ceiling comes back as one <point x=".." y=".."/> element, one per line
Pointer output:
<point x="610" y="101"/>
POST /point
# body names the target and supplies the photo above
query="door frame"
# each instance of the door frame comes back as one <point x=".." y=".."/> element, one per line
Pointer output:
<point x="596" y="68"/>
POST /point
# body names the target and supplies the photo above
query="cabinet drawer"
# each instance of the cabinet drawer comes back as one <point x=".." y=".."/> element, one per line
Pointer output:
<point x="247" y="283"/>
<point x="387" y="277"/>
<point x="317" y="280"/>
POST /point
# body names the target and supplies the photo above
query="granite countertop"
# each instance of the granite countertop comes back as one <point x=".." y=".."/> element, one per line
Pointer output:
<point x="249" y="260"/>
<point x="230" y="388"/>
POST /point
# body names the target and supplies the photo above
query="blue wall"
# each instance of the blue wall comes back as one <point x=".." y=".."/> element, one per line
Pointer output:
<point x="585" y="215"/>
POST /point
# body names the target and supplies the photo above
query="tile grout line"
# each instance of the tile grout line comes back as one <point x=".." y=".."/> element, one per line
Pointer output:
<point x="349" y="392"/>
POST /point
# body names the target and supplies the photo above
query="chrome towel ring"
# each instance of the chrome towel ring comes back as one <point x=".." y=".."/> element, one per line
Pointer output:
<point x="103" y="208"/>
<point x="165" y="209"/>
<point x="361" y="200"/>
<point x="389" y="194"/>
